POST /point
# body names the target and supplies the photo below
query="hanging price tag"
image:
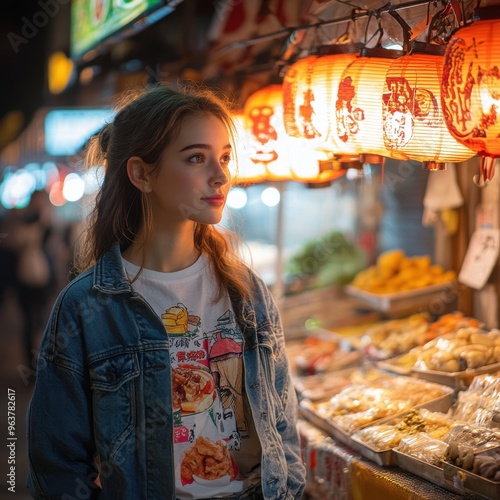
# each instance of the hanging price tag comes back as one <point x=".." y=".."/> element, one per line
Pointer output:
<point x="480" y="258"/>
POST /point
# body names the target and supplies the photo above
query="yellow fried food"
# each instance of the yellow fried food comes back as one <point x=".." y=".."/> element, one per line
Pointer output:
<point x="388" y="263"/>
<point x="396" y="272"/>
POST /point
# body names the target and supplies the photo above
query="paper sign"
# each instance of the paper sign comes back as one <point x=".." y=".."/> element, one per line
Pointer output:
<point x="480" y="258"/>
<point x="486" y="216"/>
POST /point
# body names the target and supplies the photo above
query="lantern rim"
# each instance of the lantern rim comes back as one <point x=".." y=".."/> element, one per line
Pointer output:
<point x="486" y="13"/>
<point x="425" y="48"/>
<point x="372" y="159"/>
<point x="381" y="52"/>
<point x="434" y="166"/>
<point x="336" y="49"/>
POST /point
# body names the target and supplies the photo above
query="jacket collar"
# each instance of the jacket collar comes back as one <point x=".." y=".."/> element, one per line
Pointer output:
<point x="109" y="275"/>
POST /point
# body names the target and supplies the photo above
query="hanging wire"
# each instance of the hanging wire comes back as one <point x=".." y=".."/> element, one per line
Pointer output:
<point x="445" y="22"/>
<point x="377" y="13"/>
<point x="407" y="32"/>
<point x="356" y="13"/>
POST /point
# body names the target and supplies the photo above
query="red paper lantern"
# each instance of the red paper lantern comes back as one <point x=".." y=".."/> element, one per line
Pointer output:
<point x="282" y="156"/>
<point x="358" y="108"/>
<point x="471" y="89"/>
<point x="309" y="96"/>
<point x="413" y="122"/>
<point x="243" y="169"/>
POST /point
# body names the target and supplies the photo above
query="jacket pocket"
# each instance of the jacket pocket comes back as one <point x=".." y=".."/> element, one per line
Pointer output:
<point x="113" y="391"/>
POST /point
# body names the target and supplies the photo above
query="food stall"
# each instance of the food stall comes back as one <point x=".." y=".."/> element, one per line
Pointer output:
<point x="396" y="361"/>
<point x="409" y="408"/>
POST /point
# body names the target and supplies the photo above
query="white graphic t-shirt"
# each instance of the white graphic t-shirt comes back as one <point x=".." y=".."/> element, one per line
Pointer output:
<point x="216" y="448"/>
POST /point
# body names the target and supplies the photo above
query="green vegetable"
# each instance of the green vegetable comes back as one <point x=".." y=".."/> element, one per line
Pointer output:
<point x="330" y="260"/>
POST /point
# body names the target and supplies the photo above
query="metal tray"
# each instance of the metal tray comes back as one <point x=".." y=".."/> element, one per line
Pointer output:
<point x="422" y="469"/>
<point x="300" y="383"/>
<point x="307" y="410"/>
<point x="388" y="365"/>
<point x="467" y="482"/>
<point x="406" y="302"/>
<point x="441" y="404"/>
<point x="384" y="457"/>
<point x="459" y="380"/>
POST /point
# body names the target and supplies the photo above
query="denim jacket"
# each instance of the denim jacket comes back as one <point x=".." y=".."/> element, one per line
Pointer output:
<point x="103" y="389"/>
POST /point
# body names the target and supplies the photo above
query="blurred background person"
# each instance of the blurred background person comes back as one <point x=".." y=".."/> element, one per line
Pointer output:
<point x="36" y="274"/>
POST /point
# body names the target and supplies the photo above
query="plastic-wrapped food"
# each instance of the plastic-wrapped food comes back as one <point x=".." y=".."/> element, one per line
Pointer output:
<point x="480" y="403"/>
<point x="424" y="448"/>
<point x="465" y="441"/>
<point x="379" y="437"/>
<point x="359" y="405"/>
<point x="467" y="349"/>
<point x="387" y="436"/>
<point x="354" y="421"/>
<point x="324" y="386"/>
<point x="398" y="336"/>
<point x="487" y="465"/>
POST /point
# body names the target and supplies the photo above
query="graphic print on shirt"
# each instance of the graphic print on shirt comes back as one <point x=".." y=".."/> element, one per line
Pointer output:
<point x="207" y="390"/>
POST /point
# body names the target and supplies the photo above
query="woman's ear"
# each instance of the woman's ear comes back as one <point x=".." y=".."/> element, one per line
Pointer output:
<point x="138" y="173"/>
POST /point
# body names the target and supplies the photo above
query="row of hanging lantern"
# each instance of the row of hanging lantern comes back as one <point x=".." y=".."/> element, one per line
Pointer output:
<point x="432" y="104"/>
<point x="266" y="152"/>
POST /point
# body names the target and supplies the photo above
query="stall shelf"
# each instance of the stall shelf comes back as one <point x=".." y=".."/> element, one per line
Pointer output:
<point x="336" y="471"/>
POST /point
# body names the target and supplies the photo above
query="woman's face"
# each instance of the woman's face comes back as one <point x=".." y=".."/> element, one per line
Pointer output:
<point x="193" y="177"/>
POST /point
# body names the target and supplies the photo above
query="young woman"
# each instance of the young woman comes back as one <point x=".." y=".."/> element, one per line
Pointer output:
<point x="162" y="372"/>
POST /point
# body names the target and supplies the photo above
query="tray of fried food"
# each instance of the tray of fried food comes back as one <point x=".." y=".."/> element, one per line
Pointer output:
<point x="393" y="337"/>
<point x="318" y="411"/>
<point x="360" y="405"/>
<point x="398" y="336"/>
<point x="398" y="284"/>
<point x="322" y="386"/>
<point x="404" y="360"/>
<point x="453" y="359"/>
<point x="452" y="322"/>
<point x="472" y="460"/>
<point x="396" y="273"/>
<point x="376" y="442"/>
<point x="321" y="351"/>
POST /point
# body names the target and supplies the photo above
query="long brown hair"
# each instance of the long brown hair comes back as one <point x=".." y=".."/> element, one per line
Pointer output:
<point x="143" y="127"/>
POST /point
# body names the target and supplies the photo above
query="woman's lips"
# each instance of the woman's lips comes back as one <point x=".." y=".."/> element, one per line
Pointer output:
<point x="215" y="201"/>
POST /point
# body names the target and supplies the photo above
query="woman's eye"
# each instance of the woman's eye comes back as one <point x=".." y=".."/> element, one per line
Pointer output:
<point x="198" y="158"/>
<point x="226" y="159"/>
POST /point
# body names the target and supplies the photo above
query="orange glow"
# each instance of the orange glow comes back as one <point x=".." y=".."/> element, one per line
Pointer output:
<point x="309" y="95"/>
<point x="413" y="121"/>
<point x="270" y="147"/>
<point x="471" y="87"/>
<point x="243" y="169"/>
<point x="359" y="106"/>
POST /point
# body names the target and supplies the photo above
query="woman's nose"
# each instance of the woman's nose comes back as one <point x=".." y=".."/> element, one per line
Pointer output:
<point x="220" y="174"/>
